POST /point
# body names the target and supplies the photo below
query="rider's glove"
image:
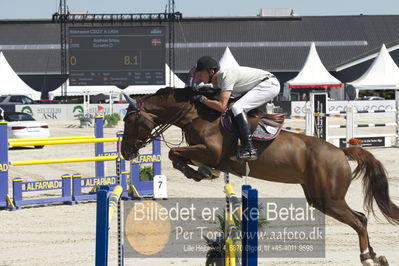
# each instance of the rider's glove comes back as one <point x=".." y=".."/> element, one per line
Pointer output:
<point x="197" y="98"/>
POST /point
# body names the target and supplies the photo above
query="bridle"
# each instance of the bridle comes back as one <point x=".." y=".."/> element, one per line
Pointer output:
<point x="137" y="109"/>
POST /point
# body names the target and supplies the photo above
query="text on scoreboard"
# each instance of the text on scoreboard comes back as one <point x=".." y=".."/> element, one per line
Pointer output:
<point x="118" y="56"/>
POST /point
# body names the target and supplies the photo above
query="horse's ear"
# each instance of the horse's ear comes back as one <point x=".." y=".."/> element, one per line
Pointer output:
<point x="132" y="102"/>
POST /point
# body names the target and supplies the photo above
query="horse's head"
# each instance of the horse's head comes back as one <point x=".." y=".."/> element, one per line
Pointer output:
<point x="138" y="127"/>
<point x="151" y="116"/>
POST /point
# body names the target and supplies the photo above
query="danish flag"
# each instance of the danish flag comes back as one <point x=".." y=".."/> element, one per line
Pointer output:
<point x="156" y="42"/>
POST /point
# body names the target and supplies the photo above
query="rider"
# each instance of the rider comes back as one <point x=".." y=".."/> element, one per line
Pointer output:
<point x="258" y="87"/>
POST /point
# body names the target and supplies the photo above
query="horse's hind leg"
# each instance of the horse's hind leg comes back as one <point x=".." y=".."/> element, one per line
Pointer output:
<point x="339" y="209"/>
<point x="381" y="260"/>
<point x="325" y="185"/>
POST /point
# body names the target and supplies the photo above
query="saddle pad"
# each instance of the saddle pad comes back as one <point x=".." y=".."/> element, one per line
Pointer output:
<point x="265" y="132"/>
<point x="262" y="132"/>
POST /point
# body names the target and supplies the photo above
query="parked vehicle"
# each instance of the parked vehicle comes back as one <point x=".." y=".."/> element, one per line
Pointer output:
<point x="48" y="101"/>
<point x="16" y="99"/>
<point x="372" y="98"/>
<point x="22" y="125"/>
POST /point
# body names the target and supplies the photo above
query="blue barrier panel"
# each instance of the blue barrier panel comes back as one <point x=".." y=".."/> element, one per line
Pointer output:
<point x="102" y="225"/>
<point x="3" y="165"/>
<point x="107" y="204"/>
<point x="78" y="183"/>
<point x="63" y="184"/>
<point x="99" y="133"/>
<point x="249" y="226"/>
<point x="146" y="188"/>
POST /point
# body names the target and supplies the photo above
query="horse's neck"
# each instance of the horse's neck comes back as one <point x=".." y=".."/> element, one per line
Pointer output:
<point x="169" y="112"/>
<point x="184" y="115"/>
<point x="176" y="104"/>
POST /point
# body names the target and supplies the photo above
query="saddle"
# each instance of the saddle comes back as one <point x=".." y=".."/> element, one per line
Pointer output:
<point x="264" y="127"/>
<point x="256" y="116"/>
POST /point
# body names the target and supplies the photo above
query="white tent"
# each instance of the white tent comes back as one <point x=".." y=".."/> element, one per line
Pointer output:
<point x="227" y="59"/>
<point x="10" y="83"/>
<point x="85" y="90"/>
<point x="149" y="89"/>
<point x="313" y="73"/>
<point x="383" y="74"/>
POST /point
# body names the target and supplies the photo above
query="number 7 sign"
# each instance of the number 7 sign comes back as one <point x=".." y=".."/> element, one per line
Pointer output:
<point x="160" y="188"/>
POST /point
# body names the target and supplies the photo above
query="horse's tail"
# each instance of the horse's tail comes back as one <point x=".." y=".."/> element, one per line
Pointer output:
<point x="375" y="183"/>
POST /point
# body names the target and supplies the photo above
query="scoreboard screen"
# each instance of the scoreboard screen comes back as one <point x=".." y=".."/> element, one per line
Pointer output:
<point x="118" y="56"/>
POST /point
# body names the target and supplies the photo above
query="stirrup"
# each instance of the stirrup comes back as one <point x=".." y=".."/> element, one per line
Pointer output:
<point x="247" y="155"/>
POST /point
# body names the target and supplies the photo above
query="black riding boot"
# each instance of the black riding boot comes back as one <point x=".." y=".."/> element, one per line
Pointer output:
<point x="248" y="152"/>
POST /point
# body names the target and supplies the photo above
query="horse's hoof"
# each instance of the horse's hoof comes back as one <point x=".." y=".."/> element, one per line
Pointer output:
<point x="196" y="179"/>
<point x="382" y="261"/>
<point x="204" y="172"/>
<point x="369" y="262"/>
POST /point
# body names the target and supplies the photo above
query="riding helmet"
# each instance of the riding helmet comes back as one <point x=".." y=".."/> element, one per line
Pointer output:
<point x="207" y="62"/>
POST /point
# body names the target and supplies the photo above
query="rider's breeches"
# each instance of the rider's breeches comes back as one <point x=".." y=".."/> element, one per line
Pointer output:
<point x="259" y="95"/>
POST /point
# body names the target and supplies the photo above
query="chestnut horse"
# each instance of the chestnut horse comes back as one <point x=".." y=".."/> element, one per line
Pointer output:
<point x="319" y="167"/>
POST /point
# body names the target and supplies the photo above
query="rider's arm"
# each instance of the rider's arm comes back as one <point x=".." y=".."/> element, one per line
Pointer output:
<point x="218" y="105"/>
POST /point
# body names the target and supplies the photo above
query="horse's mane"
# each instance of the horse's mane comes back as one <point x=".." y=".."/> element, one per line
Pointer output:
<point x="180" y="94"/>
<point x="178" y="91"/>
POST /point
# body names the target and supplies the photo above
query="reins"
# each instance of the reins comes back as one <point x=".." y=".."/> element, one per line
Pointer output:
<point x="169" y="144"/>
<point x="161" y="128"/>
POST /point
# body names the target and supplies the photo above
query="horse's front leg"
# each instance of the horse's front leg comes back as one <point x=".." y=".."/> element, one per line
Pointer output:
<point x="182" y="155"/>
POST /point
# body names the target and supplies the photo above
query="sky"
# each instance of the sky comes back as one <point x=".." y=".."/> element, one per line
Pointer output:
<point x="22" y="9"/>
